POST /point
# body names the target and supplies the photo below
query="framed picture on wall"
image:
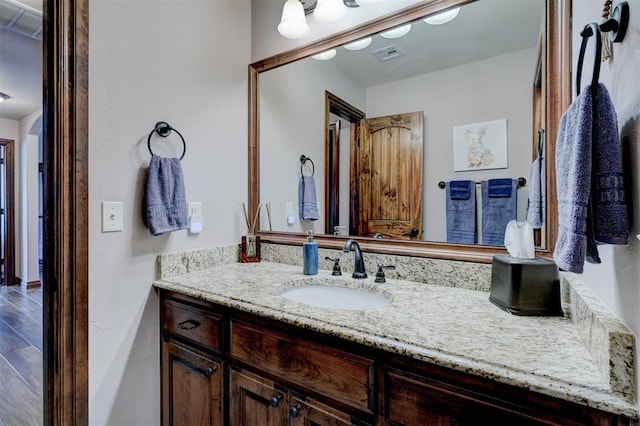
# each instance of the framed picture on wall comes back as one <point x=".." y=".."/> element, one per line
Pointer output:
<point x="480" y="146"/>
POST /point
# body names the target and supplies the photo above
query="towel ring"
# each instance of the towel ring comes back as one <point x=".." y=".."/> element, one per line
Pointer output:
<point x="592" y="29"/>
<point x="163" y="129"/>
<point x="303" y="161"/>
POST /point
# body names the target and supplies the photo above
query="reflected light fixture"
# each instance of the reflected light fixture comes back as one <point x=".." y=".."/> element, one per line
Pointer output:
<point x="358" y="44"/>
<point x="293" y="23"/>
<point x="4" y="97"/>
<point x="442" y="17"/>
<point x="327" y="11"/>
<point x="397" y="31"/>
<point x="325" y="56"/>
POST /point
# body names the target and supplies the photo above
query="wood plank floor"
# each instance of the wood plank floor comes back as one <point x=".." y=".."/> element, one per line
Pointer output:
<point x="20" y="356"/>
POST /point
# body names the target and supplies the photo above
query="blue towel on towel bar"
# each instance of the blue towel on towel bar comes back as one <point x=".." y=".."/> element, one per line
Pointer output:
<point x="591" y="195"/>
<point x="461" y="212"/>
<point x="537" y="193"/>
<point x="166" y="200"/>
<point x="307" y="201"/>
<point x="499" y="203"/>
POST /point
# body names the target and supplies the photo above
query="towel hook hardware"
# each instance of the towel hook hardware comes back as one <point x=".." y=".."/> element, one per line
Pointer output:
<point x="303" y="161"/>
<point x="521" y="182"/>
<point x="163" y="129"/>
<point x="592" y="29"/>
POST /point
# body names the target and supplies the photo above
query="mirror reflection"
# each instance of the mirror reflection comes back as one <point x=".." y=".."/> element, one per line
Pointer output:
<point x="385" y="124"/>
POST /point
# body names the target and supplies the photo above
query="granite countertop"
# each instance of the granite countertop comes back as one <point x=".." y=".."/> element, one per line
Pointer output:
<point x="451" y="327"/>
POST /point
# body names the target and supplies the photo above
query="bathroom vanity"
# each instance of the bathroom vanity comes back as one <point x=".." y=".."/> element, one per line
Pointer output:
<point x="234" y="351"/>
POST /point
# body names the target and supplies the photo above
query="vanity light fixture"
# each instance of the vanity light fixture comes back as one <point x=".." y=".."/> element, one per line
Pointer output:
<point x="358" y="44"/>
<point x="397" y="31"/>
<point x="328" y="11"/>
<point x="293" y="23"/>
<point x="4" y="97"/>
<point x="325" y="56"/>
<point x="442" y="17"/>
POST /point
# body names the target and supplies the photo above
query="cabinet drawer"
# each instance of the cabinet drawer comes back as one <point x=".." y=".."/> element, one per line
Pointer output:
<point x="412" y="399"/>
<point x="338" y="375"/>
<point x="196" y="325"/>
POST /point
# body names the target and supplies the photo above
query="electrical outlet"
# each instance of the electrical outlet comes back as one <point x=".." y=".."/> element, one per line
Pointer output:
<point x="194" y="209"/>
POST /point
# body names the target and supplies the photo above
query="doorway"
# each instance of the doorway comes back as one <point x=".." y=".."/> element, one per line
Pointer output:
<point x="7" y="212"/>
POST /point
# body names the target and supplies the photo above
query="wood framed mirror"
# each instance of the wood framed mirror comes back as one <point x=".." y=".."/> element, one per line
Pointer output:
<point x="556" y="96"/>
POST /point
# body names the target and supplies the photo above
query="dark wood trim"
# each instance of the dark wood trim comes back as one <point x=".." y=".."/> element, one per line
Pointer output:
<point x="10" y="213"/>
<point x="558" y="98"/>
<point x="33" y="284"/>
<point x="65" y="264"/>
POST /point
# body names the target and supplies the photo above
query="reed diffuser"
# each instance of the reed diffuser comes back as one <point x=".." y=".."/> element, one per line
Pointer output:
<point x="250" y="243"/>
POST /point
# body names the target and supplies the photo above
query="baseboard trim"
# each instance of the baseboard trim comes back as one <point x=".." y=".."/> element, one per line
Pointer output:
<point x="33" y="284"/>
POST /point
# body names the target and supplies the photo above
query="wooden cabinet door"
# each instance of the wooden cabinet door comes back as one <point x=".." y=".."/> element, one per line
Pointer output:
<point x="308" y="412"/>
<point x="255" y="401"/>
<point x="192" y="387"/>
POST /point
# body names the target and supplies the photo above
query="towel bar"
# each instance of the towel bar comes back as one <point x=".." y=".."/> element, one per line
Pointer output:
<point x="163" y="129"/>
<point x="521" y="182"/>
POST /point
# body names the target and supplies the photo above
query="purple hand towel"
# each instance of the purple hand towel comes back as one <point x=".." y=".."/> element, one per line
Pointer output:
<point x="591" y="199"/>
<point x="165" y="196"/>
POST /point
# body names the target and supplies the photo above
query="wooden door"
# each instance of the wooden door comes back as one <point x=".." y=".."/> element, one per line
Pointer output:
<point x="255" y="401"/>
<point x="192" y="387"/>
<point x="309" y="412"/>
<point x="387" y="186"/>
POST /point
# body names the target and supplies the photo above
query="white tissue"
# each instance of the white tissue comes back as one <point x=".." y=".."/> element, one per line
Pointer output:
<point x="518" y="238"/>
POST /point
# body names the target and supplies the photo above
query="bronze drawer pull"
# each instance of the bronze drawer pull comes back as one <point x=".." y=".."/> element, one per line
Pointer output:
<point x="294" y="410"/>
<point x="274" y="401"/>
<point x="188" y="325"/>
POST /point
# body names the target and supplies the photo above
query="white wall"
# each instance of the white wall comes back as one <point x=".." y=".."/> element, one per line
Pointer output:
<point x="617" y="278"/>
<point x="491" y="89"/>
<point x="292" y="123"/>
<point x="185" y="63"/>
<point x="28" y="268"/>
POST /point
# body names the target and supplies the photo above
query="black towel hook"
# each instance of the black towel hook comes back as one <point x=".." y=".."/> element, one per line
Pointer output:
<point x="592" y="29"/>
<point x="303" y="161"/>
<point x="163" y="129"/>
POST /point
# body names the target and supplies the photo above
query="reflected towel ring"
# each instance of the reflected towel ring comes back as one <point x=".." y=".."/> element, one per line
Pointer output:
<point x="303" y="161"/>
<point x="592" y="29"/>
<point x="163" y="129"/>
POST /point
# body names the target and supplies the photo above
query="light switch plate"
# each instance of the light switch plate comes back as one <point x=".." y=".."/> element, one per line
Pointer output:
<point x="111" y="216"/>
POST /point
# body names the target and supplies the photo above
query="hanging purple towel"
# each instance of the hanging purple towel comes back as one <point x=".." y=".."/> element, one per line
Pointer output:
<point x="591" y="197"/>
<point x="166" y="200"/>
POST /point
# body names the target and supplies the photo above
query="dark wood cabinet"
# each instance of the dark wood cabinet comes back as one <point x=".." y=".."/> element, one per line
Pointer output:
<point x="192" y="385"/>
<point x="223" y="366"/>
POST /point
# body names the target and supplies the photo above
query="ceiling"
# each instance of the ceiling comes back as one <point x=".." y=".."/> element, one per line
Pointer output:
<point x="20" y="57"/>
<point x="481" y="30"/>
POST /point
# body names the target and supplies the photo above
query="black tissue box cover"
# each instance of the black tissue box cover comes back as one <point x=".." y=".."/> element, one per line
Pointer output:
<point x="526" y="286"/>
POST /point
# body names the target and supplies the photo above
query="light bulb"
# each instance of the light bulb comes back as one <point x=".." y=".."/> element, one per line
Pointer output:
<point x="326" y="55"/>
<point x="293" y="23"/>
<point x="397" y="31"/>
<point x="328" y="11"/>
<point x="442" y="17"/>
<point x="358" y="44"/>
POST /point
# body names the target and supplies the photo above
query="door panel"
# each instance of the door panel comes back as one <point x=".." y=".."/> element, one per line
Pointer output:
<point x="254" y="401"/>
<point x="390" y="170"/>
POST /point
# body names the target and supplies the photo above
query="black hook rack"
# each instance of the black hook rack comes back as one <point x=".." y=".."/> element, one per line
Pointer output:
<point x="521" y="182"/>
<point x="303" y="161"/>
<point x="164" y="129"/>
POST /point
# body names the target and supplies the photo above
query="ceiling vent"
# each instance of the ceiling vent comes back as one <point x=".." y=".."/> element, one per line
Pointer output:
<point x="387" y="53"/>
<point x="15" y="16"/>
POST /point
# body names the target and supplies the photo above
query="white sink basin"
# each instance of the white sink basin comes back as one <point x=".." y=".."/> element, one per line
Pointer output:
<point x="332" y="297"/>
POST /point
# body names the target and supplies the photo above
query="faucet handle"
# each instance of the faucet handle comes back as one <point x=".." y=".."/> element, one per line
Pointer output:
<point x="380" y="278"/>
<point x="336" y="265"/>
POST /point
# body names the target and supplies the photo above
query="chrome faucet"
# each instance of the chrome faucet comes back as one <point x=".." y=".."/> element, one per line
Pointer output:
<point x="358" y="267"/>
